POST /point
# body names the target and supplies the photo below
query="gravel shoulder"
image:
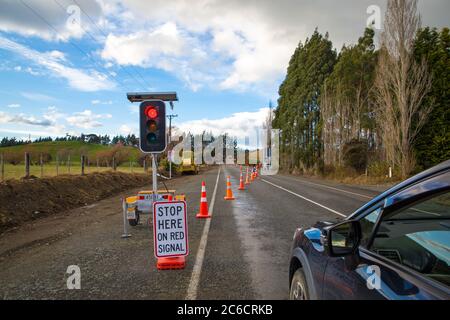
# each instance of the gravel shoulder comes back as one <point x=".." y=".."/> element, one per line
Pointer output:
<point x="34" y="256"/>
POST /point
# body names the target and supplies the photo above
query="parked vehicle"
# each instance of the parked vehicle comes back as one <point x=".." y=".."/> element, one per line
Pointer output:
<point x="397" y="246"/>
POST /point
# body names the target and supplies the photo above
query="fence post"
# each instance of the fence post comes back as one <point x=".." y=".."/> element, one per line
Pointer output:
<point x="68" y="163"/>
<point x="57" y="165"/>
<point x="82" y="165"/>
<point x="27" y="165"/>
<point x="2" y="164"/>
<point x="114" y="163"/>
<point x="145" y="165"/>
<point x="125" y="233"/>
<point x="41" y="163"/>
<point x="98" y="169"/>
<point x="390" y="172"/>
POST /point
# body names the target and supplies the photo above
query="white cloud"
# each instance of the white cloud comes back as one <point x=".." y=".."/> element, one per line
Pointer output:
<point x="57" y="55"/>
<point x="87" y="119"/>
<point x="231" y="44"/>
<point x="49" y="119"/>
<point x="240" y="124"/>
<point x="23" y="119"/>
<point x="246" y="44"/>
<point x="53" y="115"/>
<point x="108" y="102"/>
<point x="14" y="105"/>
<point x="54" y="122"/>
<point x="34" y="96"/>
<point x="165" y="47"/>
<point x="127" y="129"/>
<point x="32" y="72"/>
<point x="78" y="79"/>
<point x="27" y="70"/>
<point x="41" y="18"/>
<point x="54" y="132"/>
<point x="144" y="48"/>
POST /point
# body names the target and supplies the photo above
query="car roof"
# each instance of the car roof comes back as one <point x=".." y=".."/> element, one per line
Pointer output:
<point x="442" y="167"/>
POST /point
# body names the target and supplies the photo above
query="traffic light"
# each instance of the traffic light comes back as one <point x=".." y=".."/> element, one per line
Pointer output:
<point x="153" y="138"/>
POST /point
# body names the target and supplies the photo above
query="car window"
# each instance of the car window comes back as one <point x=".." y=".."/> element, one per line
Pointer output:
<point x="418" y="237"/>
<point x="367" y="225"/>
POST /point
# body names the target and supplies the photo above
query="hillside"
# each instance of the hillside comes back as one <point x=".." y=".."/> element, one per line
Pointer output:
<point x="74" y="148"/>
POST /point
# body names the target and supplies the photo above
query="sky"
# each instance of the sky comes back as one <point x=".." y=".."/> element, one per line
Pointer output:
<point x="66" y="65"/>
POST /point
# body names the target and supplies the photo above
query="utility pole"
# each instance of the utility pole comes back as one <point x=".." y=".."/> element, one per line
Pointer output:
<point x="269" y="136"/>
<point x="170" y="116"/>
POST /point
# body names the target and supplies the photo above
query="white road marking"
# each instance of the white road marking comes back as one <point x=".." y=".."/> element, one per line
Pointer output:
<point x="426" y="212"/>
<point x="197" y="270"/>
<point x="304" y="198"/>
<point x="337" y="189"/>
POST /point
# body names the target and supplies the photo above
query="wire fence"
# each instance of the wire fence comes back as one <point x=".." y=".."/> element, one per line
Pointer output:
<point x="40" y="168"/>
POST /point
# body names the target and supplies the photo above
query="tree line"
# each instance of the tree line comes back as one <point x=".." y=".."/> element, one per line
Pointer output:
<point x="366" y="107"/>
<point x="128" y="140"/>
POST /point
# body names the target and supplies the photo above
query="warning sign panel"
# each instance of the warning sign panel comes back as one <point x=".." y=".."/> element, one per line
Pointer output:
<point x="170" y="229"/>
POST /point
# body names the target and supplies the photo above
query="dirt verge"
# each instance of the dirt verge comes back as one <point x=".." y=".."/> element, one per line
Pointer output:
<point x="25" y="200"/>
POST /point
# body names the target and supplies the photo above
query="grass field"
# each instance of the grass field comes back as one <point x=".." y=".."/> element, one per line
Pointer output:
<point x="49" y="170"/>
<point x="76" y="148"/>
<point x="64" y="148"/>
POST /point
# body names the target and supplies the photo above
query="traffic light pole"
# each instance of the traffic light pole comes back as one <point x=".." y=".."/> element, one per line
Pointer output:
<point x="170" y="164"/>
<point x="154" y="177"/>
<point x="171" y="116"/>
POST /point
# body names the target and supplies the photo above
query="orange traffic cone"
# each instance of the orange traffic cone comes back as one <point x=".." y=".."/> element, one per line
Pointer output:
<point x="241" y="182"/>
<point x="172" y="263"/>
<point x="246" y="178"/>
<point x="203" y="214"/>
<point x="229" y="195"/>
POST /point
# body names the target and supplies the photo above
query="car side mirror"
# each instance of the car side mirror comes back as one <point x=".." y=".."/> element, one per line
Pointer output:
<point x="342" y="239"/>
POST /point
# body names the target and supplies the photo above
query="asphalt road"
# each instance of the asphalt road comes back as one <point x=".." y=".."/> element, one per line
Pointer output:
<point x="241" y="253"/>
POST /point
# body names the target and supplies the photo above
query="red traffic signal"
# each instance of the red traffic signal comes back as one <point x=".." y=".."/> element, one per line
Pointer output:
<point x="152" y="138"/>
<point x="151" y="112"/>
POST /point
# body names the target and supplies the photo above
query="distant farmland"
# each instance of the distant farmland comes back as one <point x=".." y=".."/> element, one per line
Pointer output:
<point x="64" y="157"/>
<point x="64" y="148"/>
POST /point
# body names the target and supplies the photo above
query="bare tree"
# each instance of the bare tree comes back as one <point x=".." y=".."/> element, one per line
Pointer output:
<point x="401" y="84"/>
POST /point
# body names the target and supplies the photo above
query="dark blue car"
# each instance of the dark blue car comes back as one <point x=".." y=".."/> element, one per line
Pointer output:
<point x="397" y="246"/>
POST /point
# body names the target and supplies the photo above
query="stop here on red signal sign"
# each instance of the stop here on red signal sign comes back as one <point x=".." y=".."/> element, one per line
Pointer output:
<point x="170" y="230"/>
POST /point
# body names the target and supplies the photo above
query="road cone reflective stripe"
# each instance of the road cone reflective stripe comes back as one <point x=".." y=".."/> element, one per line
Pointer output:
<point x="241" y="182"/>
<point x="229" y="195"/>
<point x="203" y="214"/>
<point x="246" y="177"/>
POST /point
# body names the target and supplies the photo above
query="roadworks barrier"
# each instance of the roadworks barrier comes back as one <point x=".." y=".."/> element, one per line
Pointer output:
<point x="174" y="263"/>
